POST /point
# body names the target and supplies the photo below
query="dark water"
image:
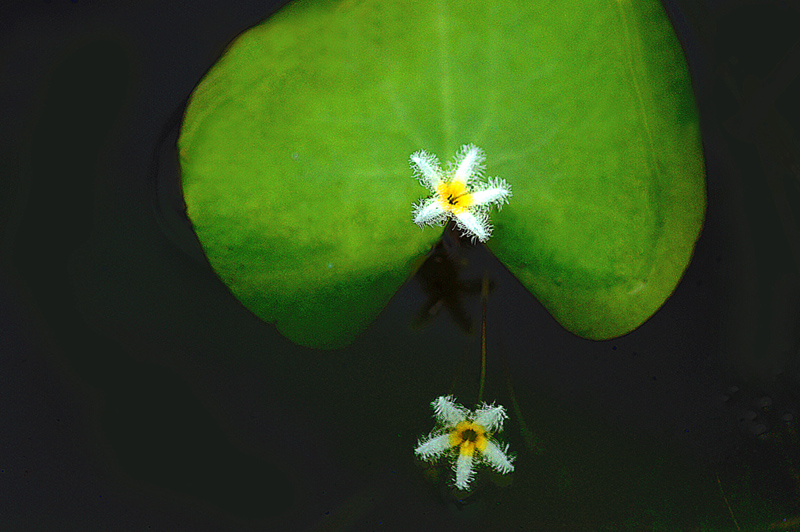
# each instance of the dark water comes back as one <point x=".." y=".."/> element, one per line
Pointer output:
<point x="139" y="395"/>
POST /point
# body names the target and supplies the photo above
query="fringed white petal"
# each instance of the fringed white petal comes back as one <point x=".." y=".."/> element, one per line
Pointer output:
<point x="497" y="192"/>
<point x="433" y="446"/>
<point x="429" y="212"/>
<point x="475" y="225"/>
<point x="426" y="168"/>
<point x="464" y="471"/>
<point x="467" y="169"/>
<point x="448" y="412"/>
<point x="498" y="457"/>
<point x="469" y="163"/>
<point x="490" y="417"/>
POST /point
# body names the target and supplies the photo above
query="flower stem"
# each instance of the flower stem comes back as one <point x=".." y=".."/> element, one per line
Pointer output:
<point x="484" y="299"/>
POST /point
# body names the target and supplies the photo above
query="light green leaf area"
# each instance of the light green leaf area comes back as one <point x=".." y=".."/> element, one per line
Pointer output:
<point x="294" y="155"/>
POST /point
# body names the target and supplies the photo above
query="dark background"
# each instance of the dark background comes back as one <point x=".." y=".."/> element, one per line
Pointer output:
<point x="136" y="394"/>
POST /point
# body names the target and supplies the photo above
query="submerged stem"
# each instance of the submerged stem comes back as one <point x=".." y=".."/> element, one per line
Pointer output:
<point x="484" y="299"/>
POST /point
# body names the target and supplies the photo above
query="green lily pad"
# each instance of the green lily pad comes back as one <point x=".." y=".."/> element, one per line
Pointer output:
<point x="294" y="154"/>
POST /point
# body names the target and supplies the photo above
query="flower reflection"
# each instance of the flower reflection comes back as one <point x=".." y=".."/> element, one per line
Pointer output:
<point x="467" y="436"/>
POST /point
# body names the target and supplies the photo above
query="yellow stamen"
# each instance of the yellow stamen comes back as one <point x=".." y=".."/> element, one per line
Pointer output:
<point x="468" y="436"/>
<point x="453" y="197"/>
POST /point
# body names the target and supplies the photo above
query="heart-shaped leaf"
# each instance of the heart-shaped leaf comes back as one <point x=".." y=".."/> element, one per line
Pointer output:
<point x="294" y="154"/>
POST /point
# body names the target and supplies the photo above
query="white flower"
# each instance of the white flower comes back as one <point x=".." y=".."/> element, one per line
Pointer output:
<point x="457" y="192"/>
<point x="467" y="437"/>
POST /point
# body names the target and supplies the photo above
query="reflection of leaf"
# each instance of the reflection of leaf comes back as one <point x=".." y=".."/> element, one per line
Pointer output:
<point x="294" y="153"/>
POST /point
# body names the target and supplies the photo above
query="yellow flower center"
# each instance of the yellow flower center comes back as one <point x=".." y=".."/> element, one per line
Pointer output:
<point x="468" y="436"/>
<point x="453" y="197"/>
